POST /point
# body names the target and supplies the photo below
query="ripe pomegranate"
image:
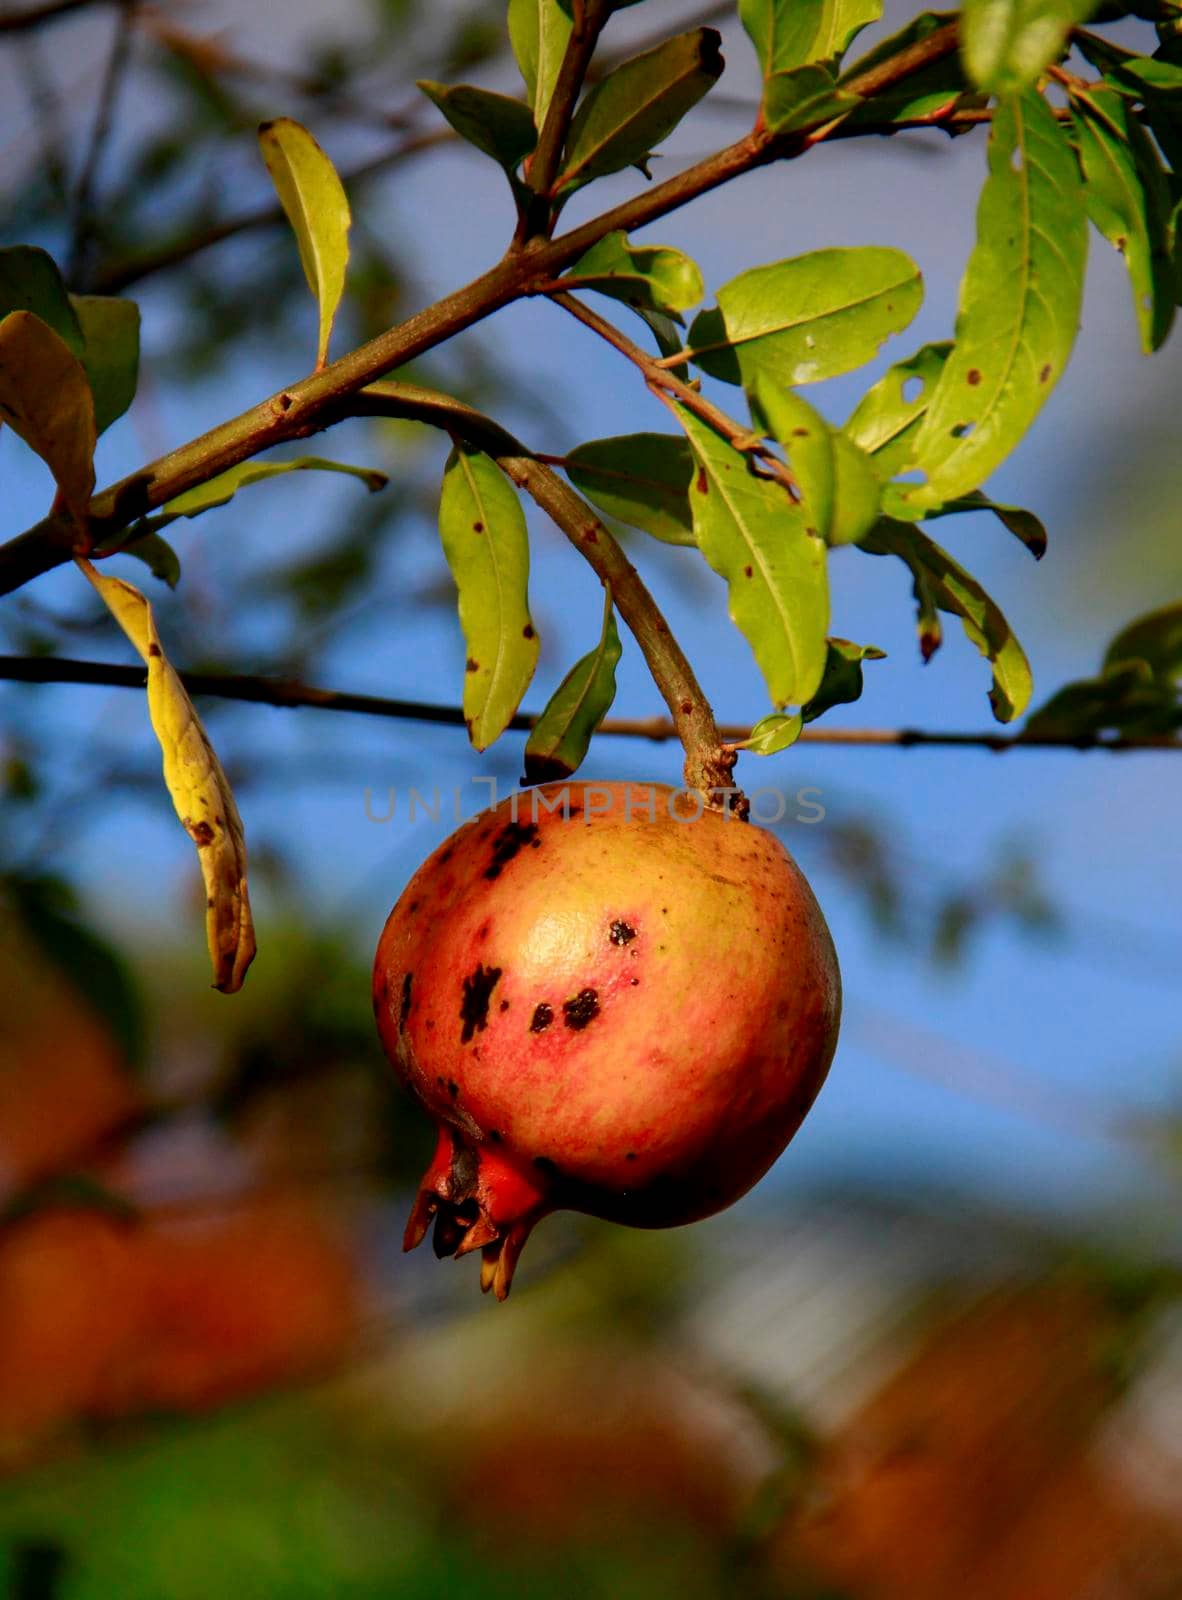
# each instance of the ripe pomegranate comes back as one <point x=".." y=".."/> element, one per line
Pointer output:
<point x="609" y="999"/>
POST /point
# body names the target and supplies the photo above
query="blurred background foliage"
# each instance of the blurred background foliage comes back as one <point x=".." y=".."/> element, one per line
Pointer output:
<point x="217" y="1374"/>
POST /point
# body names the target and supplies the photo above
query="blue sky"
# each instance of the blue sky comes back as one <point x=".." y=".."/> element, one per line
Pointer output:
<point x="990" y="1075"/>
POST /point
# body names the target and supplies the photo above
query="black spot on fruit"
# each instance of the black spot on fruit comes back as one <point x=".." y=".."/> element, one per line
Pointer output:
<point x="580" y="1011"/>
<point x="495" y="1136"/>
<point x="544" y="1164"/>
<point x="404" y="1006"/>
<point x="631" y="1156"/>
<point x="542" y="1018"/>
<point x="474" y="1004"/>
<point x="621" y="933"/>
<point x="453" y="1088"/>
<point x="514" y="836"/>
<point x="504" y="1005"/>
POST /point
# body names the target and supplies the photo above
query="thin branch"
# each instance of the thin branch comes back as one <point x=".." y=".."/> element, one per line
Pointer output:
<point x="37" y="16"/>
<point x="287" y="692"/>
<point x="660" y="378"/>
<point x="542" y="167"/>
<point x="83" y="221"/>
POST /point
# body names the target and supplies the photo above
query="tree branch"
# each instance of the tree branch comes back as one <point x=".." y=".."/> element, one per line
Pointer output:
<point x="287" y="692"/>
<point x="542" y="167"/>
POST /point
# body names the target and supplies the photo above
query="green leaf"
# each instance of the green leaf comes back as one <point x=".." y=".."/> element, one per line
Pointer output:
<point x="803" y="97"/>
<point x="314" y="199"/>
<point x="1125" y="700"/>
<point x="941" y="583"/>
<point x="561" y="737"/>
<point x="807" y="318"/>
<point x="1024" y="525"/>
<point x="887" y="418"/>
<point x="1143" y="78"/>
<point x="111" y="353"/>
<point x="538" y="32"/>
<point x="216" y="491"/>
<point x="502" y="128"/>
<point x="641" y="478"/>
<point x="157" y="555"/>
<point x="1156" y="639"/>
<point x="836" y="477"/>
<point x="30" y="281"/>
<point x="46" y="399"/>
<point x="773" y="733"/>
<point x="1006" y="44"/>
<point x="624" y="116"/>
<point x="789" y="33"/>
<point x="1019" y="307"/>
<point x="842" y="680"/>
<point x="482" y="528"/>
<point x="651" y="277"/>
<point x="755" y="536"/>
<point x="1128" y="198"/>
<point x="939" y="84"/>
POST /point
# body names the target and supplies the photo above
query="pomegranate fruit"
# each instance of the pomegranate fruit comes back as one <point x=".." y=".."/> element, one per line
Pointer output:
<point x="610" y="1000"/>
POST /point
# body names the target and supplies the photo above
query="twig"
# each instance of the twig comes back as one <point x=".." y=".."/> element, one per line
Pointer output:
<point x="542" y="167"/>
<point x="287" y="692"/>
<point x="660" y="378"/>
<point x="82" y="229"/>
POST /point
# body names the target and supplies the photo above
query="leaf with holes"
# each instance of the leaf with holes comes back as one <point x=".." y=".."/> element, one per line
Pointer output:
<point x="842" y="680"/>
<point x="199" y="788"/>
<point x="561" y="737"/>
<point x="497" y="125"/>
<point x="887" y="418"/>
<point x="637" y="106"/>
<point x="648" y="277"/>
<point x="482" y="529"/>
<point x="539" y="31"/>
<point x="110" y="354"/>
<point x="1006" y="44"/>
<point x="1127" y="196"/>
<point x="807" y="318"/>
<point x="46" y="399"/>
<point x="836" y="477"/>
<point x="314" y="199"/>
<point x="1019" y="307"/>
<point x="643" y="479"/>
<point x="942" y="583"/>
<point x="755" y="535"/>
<point x="790" y="33"/>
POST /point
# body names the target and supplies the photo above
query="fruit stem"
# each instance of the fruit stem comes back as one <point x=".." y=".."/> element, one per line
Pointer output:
<point x="709" y="762"/>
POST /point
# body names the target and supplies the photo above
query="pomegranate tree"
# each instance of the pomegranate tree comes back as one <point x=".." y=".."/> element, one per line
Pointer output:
<point x="609" y="999"/>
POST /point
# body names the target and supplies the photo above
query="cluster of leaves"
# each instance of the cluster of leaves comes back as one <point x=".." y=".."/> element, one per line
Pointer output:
<point x="765" y="495"/>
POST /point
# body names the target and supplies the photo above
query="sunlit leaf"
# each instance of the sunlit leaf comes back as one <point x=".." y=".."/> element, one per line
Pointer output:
<point x="626" y="115"/>
<point x="314" y="199"/>
<point x="650" y="276"/>
<point x="887" y="418"/>
<point x="502" y="128"/>
<point x="836" y="477"/>
<point x="111" y="353"/>
<point x="756" y="537"/>
<point x="199" y="788"/>
<point x="789" y="33"/>
<point x="807" y="318"/>
<point x="216" y="491"/>
<point x="1007" y="43"/>
<point x="1019" y="307"/>
<point x="641" y="478"/>
<point x="773" y="733"/>
<point x="561" y="737"/>
<point x="940" y="582"/>
<point x="842" y="680"/>
<point x="1128" y="198"/>
<point x="482" y="528"/>
<point x="538" y="32"/>
<point x="46" y="399"/>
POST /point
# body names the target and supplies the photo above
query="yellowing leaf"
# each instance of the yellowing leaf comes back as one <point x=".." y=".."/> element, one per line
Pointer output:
<point x="317" y="207"/>
<point x="44" y="396"/>
<point x="199" y="788"/>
